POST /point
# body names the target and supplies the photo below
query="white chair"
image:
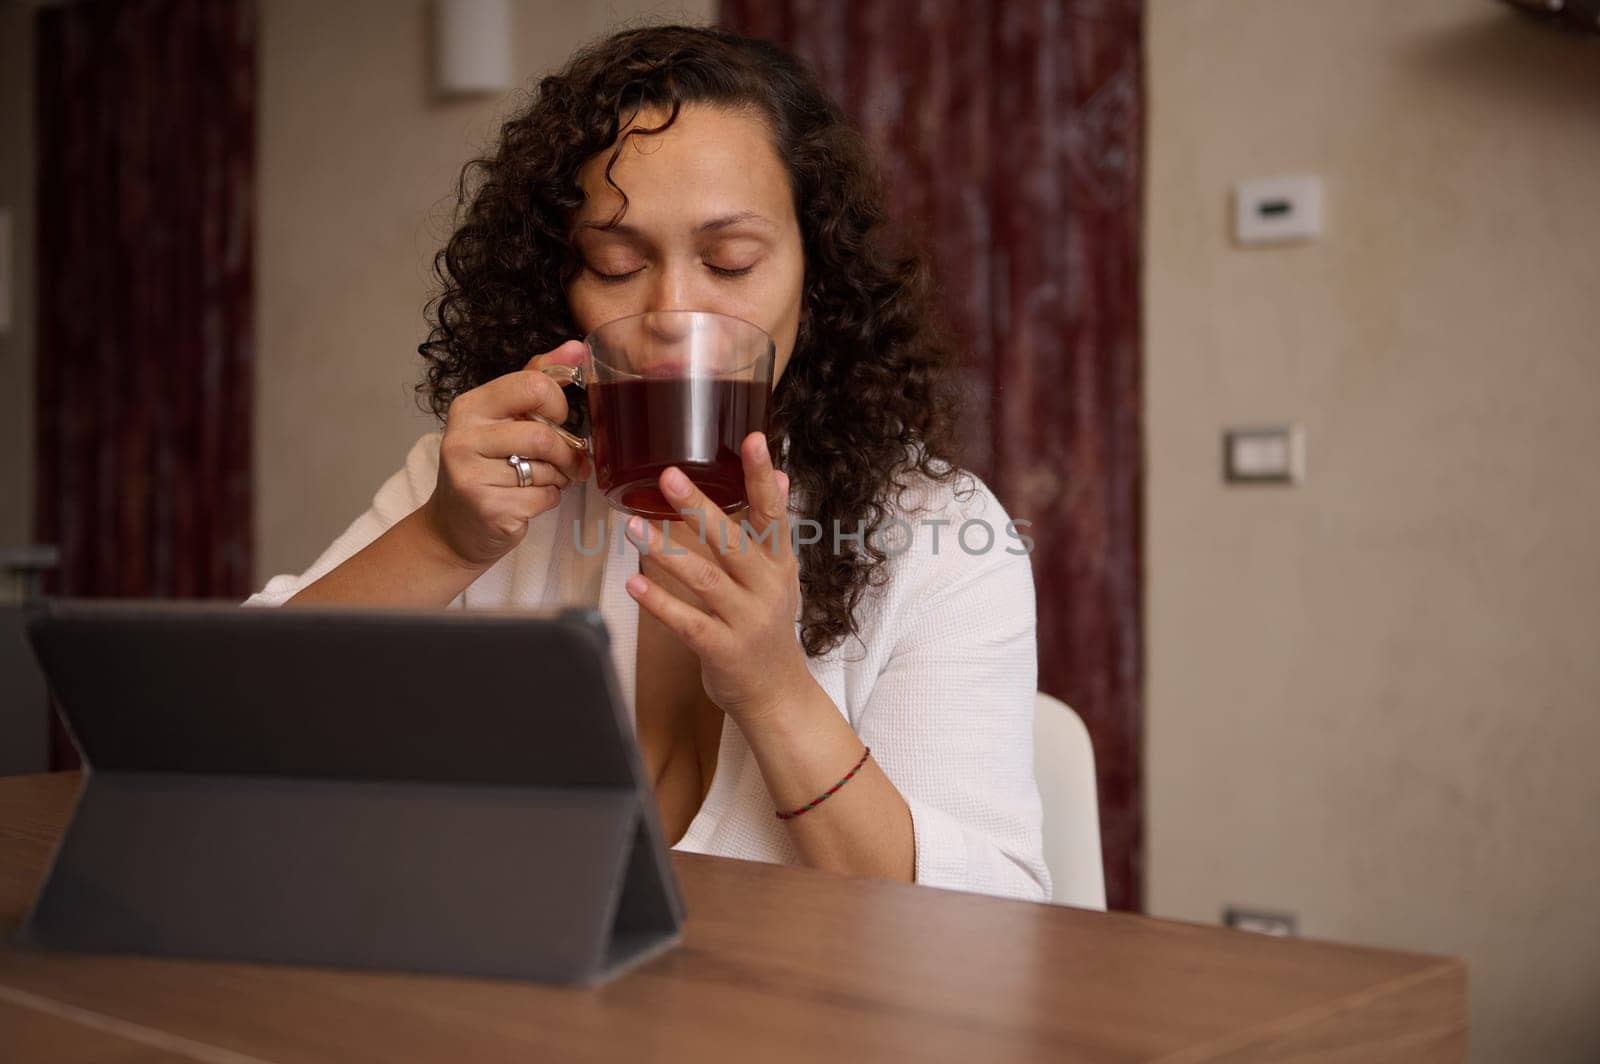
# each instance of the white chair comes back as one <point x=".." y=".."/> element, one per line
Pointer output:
<point x="1063" y="761"/>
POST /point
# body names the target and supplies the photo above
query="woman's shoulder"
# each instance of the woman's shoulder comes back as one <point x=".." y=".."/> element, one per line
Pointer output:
<point x="955" y="569"/>
<point x="944" y="490"/>
<point x="942" y="500"/>
<point x="946" y="531"/>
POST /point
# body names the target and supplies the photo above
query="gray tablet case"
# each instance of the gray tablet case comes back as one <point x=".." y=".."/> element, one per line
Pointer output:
<point x="441" y="792"/>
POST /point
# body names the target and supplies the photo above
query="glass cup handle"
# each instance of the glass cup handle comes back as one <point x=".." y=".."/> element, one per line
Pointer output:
<point x="576" y="428"/>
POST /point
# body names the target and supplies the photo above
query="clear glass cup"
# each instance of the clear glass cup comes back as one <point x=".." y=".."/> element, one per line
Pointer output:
<point x="669" y="388"/>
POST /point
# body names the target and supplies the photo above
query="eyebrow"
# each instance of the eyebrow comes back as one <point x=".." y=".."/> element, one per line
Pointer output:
<point x="711" y="225"/>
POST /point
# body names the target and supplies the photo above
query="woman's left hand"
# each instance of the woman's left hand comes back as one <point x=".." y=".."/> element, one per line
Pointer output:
<point x="751" y="662"/>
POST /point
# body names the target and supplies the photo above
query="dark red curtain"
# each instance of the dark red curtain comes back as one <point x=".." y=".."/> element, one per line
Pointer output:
<point x="1011" y="135"/>
<point x="146" y="120"/>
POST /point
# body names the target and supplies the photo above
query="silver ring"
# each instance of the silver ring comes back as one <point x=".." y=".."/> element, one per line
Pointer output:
<point x="524" y="470"/>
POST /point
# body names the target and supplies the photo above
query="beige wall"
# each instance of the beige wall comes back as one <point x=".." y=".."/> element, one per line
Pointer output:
<point x="356" y="165"/>
<point x="1375" y="699"/>
<point x="16" y="346"/>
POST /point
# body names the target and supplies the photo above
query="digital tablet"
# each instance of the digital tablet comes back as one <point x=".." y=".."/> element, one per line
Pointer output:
<point x="445" y="791"/>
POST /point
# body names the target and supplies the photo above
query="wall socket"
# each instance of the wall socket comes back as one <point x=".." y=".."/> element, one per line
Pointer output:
<point x="1277" y="210"/>
<point x="1267" y="454"/>
<point x="1261" y="921"/>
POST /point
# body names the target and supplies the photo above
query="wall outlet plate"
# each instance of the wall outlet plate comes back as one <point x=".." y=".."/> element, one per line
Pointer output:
<point x="1261" y="921"/>
<point x="1265" y="454"/>
<point x="1277" y="210"/>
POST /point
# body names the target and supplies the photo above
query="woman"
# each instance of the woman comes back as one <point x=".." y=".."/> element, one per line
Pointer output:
<point x="690" y="168"/>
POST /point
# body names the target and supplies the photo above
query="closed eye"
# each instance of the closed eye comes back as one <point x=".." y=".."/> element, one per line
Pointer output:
<point x="722" y="271"/>
<point x="613" y="278"/>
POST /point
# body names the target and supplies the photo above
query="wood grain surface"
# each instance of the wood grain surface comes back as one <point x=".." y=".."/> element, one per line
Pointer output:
<point x="777" y="964"/>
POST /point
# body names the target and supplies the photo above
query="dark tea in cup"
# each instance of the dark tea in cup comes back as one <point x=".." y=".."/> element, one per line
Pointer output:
<point x="640" y="427"/>
<point x="672" y="388"/>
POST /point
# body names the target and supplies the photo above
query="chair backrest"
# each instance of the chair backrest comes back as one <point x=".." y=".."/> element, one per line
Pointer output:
<point x="1064" y="764"/>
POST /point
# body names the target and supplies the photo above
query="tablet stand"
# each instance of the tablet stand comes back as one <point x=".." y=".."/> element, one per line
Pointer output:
<point x="212" y="821"/>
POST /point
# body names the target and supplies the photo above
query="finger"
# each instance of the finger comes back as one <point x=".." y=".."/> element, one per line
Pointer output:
<point x="703" y="576"/>
<point x="569" y="353"/>
<point x="519" y="393"/>
<point x="515" y="395"/>
<point x="769" y="503"/>
<point x="781" y="531"/>
<point x="502" y="474"/>
<point x="694" y="628"/>
<point x="531" y="439"/>
<point x="706" y="519"/>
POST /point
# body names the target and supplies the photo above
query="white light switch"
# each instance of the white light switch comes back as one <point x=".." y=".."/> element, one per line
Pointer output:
<point x="1269" y="455"/>
<point x="1277" y="210"/>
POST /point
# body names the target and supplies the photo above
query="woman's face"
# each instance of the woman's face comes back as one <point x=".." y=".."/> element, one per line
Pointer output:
<point x="710" y="225"/>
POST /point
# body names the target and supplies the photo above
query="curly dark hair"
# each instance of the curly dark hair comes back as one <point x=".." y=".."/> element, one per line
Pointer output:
<point x="868" y="396"/>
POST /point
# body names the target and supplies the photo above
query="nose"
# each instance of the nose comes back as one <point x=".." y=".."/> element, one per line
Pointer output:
<point x="673" y="289"/>
<point x="665" y="332"/>
<point x="676" y="288"/>
<point x="657" y="333"/>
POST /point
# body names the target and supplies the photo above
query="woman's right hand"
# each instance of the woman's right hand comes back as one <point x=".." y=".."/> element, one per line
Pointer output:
<point x="477" y="510"/>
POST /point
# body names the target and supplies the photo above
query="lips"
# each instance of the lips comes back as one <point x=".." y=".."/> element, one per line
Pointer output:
<point x="665" y="368"/>
<point x="676" y="344"/>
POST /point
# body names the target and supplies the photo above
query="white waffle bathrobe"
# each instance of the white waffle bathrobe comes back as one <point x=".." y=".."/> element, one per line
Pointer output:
<point x="940" y="685"/>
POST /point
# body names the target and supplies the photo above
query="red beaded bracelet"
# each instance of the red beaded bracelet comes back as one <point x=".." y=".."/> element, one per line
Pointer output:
<point x="823" y="797"/>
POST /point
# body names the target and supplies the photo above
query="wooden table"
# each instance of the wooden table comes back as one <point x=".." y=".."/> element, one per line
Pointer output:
<point x="777" y="964"/>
